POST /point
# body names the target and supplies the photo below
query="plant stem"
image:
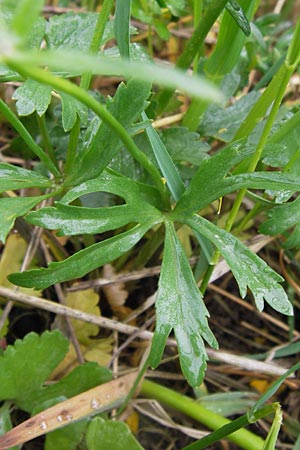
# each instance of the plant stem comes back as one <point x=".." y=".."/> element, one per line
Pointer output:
<point x="46" y="138"/>
<point x="27" y="138"/>
<point x="230" y="428"/>
<point x="289" y="65"/>
<point x="80" y="94"/>
<point x="244" y="438"/>
<point x="191" y="49"/>
<point x="86" y="80"/>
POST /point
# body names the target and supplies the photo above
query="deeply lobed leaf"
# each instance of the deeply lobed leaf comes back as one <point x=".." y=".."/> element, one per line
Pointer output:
<point x="82" y="262"/>
<point x="14" y="177"/>
<point x="179" y="306"/>
<point x="248" y="269"/>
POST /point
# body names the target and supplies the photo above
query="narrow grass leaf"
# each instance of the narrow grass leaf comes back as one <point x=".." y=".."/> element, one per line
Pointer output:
<point x="237" y="13"/>
<point x="271" y="391"/>
<point x="122" y="26"/>
<point x="165" y="162"/>
<point x="231" y="37"/>
<point x="63" y="61"/>
<point x="271" y="439"/>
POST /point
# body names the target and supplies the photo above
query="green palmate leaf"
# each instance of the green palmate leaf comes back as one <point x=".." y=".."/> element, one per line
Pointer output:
<point x="247" y="268"/>
<point x="14" y="177"/>
<point x="231" y="38"/>
<point x="27" y="366"/>
<point x="82" y="262"/>
<point x="32" y="96"/>
<point x="222" y="123"/>
<point x="74" y="31"/>
<point x="110" y="434"/>
<point x="29" y="10"/>
<point x="71" y="109"/>
<point x="126" y="106"/>
<point x="184" y="145"/>
<point x="281" y="218"/>
<point x="67" y="438"/>
<point x="210" y="181"/>
<point x="13" y="207"/>
<point x="179" y="306"/>
<point x="82" y="378"/>
<point x="121" y="25"/>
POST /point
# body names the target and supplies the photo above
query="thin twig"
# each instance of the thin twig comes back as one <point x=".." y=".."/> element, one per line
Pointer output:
<point x="240" y="361"/>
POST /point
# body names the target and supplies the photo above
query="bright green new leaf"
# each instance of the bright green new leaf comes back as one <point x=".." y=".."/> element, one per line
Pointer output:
<point x="71" y="109"/>
<point x="126" y="106"/>
<point x="29" y="363"/>
<point x="179" y="306"/>
<point x="14" y="177"/>
<point x="82" y="262"/>
<point x="247" y="268"/>
<point x="281" y="218"/>
<point x="13" y="207"/>
<point x="110" y="434"/>
<point x="32" y="96"/>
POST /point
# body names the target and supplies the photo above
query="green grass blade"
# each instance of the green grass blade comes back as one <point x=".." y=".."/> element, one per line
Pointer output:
<point x="63" y="61"/>
<point x="165" y="162"/>
<point x="237" y="13"/>
<point x="271" y="390"/>
<point x="121" y="25"/>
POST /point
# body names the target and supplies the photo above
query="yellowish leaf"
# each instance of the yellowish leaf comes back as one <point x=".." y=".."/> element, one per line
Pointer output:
<point x="11" y="261"/>
<point x="86" y="301"/>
